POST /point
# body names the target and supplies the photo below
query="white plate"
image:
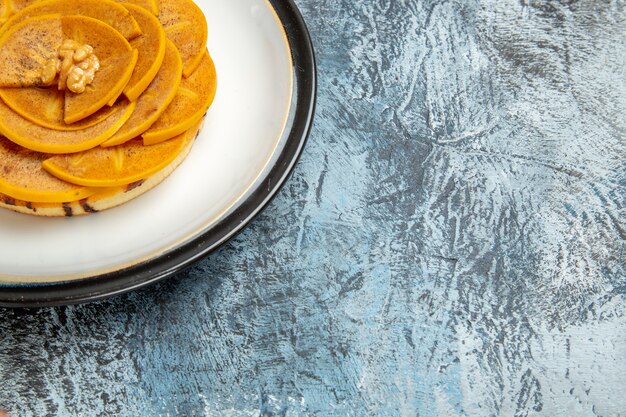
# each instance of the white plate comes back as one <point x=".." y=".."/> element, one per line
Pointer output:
<point x="248" y="128"/>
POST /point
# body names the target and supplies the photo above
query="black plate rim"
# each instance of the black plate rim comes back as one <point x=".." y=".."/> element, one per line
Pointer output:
<point x="149" y="272"/>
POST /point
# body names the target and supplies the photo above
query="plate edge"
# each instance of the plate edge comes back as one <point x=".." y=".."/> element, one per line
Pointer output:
<point x="149" y="272"/>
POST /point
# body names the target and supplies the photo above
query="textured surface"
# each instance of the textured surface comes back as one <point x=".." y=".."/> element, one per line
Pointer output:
<point x="451" y="244"/>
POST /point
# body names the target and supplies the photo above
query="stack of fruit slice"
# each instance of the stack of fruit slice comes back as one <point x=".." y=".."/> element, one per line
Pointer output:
<point x="97" y="129"/>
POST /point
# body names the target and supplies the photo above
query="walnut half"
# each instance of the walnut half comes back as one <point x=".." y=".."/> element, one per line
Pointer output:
<point x="74" y="68"/>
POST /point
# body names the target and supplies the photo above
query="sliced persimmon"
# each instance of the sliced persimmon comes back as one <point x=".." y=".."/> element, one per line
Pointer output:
<point x="105" y="197"/>
<point x="5" y="11"/>
<point x="117" y="62"/>
<point x="151" y="47"/>
<point x="45" y="107"/>
<point x="153" y="102"/>
<point x="25" y="49"/>
<point x="193" y="98"/>
<point x="22" y="177"/>
<point x="118" y="165"/>
<point x="186" y="26"/>
<point x="149" y="5"/>
<point x="17" y="5"/>
<point x="108" y="11"/>
<point x="42" y="139"/>
<point x="8" y="8"/>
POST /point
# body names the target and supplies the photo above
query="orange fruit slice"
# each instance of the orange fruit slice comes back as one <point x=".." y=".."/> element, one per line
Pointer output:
<point x="26" y="47"/>
<point x="45" y="107"/>
<point x="151" y="47"/>
<point x="5" y="11"/>
<point x="117" y="62"/>
<point x="17" y="5"/>
<point x="41" y="139"/>
<point x="153" y="102"/>
<point x="119" y="165"/>
<point x="186" y="26"/>
<point x="22" y="177"/>
<point x="108" y="11"/>
<point x="104" y="198"/>
<point x="9" y="7"/>
<point x="149" y="5"/>
<point x="193" y="98"/>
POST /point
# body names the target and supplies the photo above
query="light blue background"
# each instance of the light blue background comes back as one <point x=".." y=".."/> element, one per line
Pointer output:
<point x="451" y="243"/>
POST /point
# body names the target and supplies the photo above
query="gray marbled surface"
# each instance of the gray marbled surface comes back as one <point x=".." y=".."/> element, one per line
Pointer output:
<point x="451" y="244"/>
